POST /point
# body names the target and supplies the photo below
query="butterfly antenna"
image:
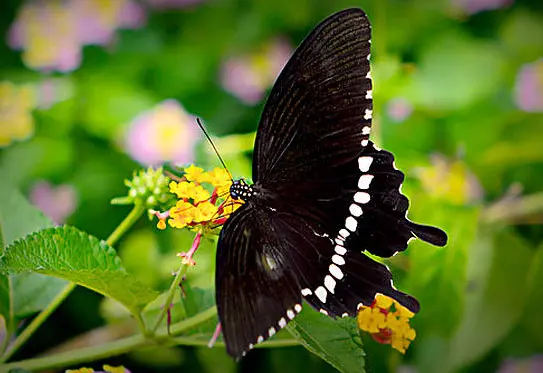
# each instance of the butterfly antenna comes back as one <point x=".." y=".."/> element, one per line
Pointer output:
<point x="213" y="145"/>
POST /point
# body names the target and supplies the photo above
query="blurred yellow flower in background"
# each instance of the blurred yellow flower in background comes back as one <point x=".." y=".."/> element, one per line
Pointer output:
<point x="16" y="104"/>
<point x="450" y="180"/>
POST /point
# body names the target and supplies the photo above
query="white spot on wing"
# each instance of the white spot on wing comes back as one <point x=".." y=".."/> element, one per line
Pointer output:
<point x="282" y="322"/>
<point x="364" y="142"/>
<point x="365" y="181"/>
<point x="338" y="259"/>
<point x="271" y="331"/>
<point x="345" y="314"/>
<point x="324" y="312"/>
<point x="290" y="314"/>
<point x="321" y="294"/>
<point x="351" y="223"/>
<point x="361" y="197"/>
<point x="330" y="283"/>
<point x="355" y="210"/>
<point x="260" y="339"/>
<point x="335" y="271"/>
<point x="306" y="292"/>
<point x="367" y="114"/>
<point x="369" y="94"/>
<point x="364" y="163"/>
<point x="340" y="250"/>
<point x="344" y="233"/>
<point x="297" y="307"/>
<point x="366" y="130"/>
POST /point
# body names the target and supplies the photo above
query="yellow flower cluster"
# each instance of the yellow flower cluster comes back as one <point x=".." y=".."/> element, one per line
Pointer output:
<point x="106" y="369"/>
<point x="16" y="103"/>
<point x="196" y="204"/>
<point x="388" y="322"/>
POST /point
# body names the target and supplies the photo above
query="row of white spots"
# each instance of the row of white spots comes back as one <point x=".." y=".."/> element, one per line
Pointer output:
<point x="281" y="324"/>
<point x="351" y="223"/>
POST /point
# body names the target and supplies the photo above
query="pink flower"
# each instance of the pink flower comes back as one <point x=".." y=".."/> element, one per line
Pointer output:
<point x="399" y="109"/>
<point x="52" y="33"/>
<point x="249" y="76"/>
<point x="45" y="31"/>
<point x="476" y="6"/>
<point x="98" y="20"/>
<point x="529" y="87"/>
<point x="58" y="203"/>
<point x="166" y="133"/>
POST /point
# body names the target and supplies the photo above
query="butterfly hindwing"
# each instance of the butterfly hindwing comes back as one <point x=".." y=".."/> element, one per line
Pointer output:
<point x="256" y="293"/>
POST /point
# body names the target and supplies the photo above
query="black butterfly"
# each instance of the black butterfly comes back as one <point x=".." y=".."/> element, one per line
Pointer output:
<point x="322" y="193"/>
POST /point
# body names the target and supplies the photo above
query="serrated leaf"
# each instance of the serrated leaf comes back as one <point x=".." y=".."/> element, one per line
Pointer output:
<point x="73" y="255"/>
<point x="496" y="296"/>
<point x="337" y="341"/>
<point x="22" y="295"/>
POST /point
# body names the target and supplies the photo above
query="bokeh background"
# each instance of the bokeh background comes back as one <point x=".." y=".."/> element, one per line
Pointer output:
<point x="91" y="90"/>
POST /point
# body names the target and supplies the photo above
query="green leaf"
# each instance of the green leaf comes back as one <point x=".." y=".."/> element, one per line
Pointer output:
<point x="337" y="341"/>
<point x="24" y="294"/>
<point x="531" y="318"/>
<point x="33" y="292"/>
<point x="17" y="216"/>
<point x="73" y="255"/>
<point x="498" y="274"/>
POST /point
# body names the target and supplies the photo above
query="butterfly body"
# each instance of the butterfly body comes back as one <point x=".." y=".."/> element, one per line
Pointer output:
<point x="323" y="194"/>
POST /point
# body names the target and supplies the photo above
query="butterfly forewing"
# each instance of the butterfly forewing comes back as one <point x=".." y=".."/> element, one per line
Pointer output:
<point x="321" y="101"/>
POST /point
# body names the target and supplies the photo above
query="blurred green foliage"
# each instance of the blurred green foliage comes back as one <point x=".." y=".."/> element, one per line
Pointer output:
<point x="448" y="104"/>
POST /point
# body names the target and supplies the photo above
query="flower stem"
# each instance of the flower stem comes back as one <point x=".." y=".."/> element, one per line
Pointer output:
<point x="126" y="224"/>
<point x="107" y="350"/>
<point x="176" y="281"/>
<point x="130" y="219"/>
<point x="37" y="321"/>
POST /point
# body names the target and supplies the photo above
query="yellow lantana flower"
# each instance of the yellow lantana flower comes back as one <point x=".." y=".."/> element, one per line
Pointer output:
<point x="388" y="322"/>
<point x="197" y="207"/>
<point x="193" y="173"/>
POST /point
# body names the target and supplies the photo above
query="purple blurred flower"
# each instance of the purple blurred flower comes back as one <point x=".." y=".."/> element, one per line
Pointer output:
<point x="529" y="87"/>
<point x="399" y="109"/>
<point x="476" y="6"/>
<point x="56" y="202"/>
<point x="532" y="364"/>
<point x="52" y="33"/>
<point x="249" y="76"/>
<point x="173" y="4"/>
<point x="166" y="133"/>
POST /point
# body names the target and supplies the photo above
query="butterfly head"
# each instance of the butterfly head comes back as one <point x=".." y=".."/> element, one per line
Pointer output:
<point x="241" y="190"/>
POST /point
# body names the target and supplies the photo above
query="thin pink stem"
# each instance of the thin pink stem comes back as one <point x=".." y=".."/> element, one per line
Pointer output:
<point x="215" y="335"/>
